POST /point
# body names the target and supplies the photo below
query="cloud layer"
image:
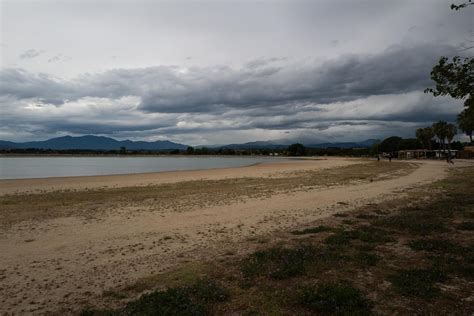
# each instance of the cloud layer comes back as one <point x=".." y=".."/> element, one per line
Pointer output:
<point x="369" y="95"/>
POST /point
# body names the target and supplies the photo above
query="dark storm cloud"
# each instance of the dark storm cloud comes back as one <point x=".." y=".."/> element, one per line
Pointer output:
<point x="21" y="85"/>
<point x="263" y="83"/>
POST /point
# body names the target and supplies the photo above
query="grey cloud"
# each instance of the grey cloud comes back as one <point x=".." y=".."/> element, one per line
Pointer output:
<point x="31" y="53"/>
<point x="262" y="83"/>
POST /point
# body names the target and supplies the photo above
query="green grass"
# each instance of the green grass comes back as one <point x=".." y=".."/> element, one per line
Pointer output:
<point x="334" y="299"/>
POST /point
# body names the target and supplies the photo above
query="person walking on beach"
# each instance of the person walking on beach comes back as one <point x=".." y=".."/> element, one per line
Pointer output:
<point x="390" y="157"/>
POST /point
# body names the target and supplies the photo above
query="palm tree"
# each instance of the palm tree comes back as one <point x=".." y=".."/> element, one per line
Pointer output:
<point x="440" y="131"/>
<point x="424" y="136"/>
<point x="466" y="121"/>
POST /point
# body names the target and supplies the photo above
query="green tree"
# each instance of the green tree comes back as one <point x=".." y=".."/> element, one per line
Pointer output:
<point x="375" y="148"/>
<point x="390" y="144"/>
<point x="451" y="131"/>
<point x="466" y="121"/>
<point x="190" y="150"/>
<point x="424" y="136"/>
<point x="440" y="129"/>
<point x="409" y="143"/>
<point x="454" y="78"/>
<point x="297" y="150"/>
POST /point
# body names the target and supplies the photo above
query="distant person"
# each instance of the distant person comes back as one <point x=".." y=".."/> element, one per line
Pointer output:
<point x="390" y="157"/>
<point x="449" y="159"/>
<point x="378" y="157"/>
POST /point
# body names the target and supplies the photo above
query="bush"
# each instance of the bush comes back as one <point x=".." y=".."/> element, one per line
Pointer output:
<point x="334" y="298"/>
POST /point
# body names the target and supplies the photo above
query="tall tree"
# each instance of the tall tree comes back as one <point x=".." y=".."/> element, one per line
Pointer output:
<point x="451" y="131"/>
<point x="466" y="121"/>
<point x="424" y="136"/>
<point x="440" y="131"/>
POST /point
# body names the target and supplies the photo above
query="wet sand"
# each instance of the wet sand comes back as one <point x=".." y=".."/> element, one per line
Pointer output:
<point x="144" y="179"/>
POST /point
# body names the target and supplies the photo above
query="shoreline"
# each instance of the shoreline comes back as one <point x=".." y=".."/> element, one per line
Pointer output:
<point x="260" y="169"/>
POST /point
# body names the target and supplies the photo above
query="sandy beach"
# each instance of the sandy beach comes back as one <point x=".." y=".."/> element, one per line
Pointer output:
<point x="65" y="241"/>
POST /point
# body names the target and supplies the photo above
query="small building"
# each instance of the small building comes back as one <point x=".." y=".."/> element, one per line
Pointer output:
<point x="425" y="154"/>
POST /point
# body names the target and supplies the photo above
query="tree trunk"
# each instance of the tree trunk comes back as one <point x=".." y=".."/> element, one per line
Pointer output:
<point x="448" y="158"/>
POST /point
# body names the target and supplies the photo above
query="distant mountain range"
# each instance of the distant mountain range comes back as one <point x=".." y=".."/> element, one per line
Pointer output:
<point x="90" y="142"/>
<point x="284" y="144"/>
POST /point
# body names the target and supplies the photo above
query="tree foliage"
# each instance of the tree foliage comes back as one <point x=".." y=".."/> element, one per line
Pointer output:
<point x="461" y="5"/>
<point x="391" y="144"/>
<point x="440" y="130"/>
<point x="466" y="121"/>
<point x="297" y="150"/>
<point x="424" y="136"/>
<point x="454" y="78"/>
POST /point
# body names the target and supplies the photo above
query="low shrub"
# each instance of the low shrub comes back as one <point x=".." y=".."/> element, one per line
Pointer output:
<point x="334" y="298"/>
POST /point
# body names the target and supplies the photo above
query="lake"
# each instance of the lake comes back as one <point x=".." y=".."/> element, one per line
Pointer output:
<point x="46" y="167"/>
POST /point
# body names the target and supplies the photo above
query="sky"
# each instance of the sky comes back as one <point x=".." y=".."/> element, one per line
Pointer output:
<point x="219" y="72"/>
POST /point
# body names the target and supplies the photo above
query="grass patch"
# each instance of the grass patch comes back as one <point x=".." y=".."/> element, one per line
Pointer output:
<point x="413" y="221"/>
<point x="434" y="245"/>
<point x="197" y="299"/>
<point x="334" y="298"/>
<point x="367" y="234"/>
<point x="465" y="226"/>
<point x="417" y="282"/>
<point x="366" y="216"/>
<point x="279" y="262"/>
<point x="189" y="273"/>
<point x="339" y="239"/>
<point x="366" y="258"/>
<point x="312" y="230"/>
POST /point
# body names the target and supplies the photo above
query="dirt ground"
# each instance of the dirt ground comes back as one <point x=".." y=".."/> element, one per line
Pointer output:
<point x="66" y="241"/>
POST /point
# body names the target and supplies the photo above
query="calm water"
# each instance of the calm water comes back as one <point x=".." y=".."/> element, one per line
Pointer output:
<point x="45" y="167"/>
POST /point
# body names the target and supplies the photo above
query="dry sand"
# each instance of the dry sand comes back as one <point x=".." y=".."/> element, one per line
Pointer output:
<point x="65" y="262"/>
